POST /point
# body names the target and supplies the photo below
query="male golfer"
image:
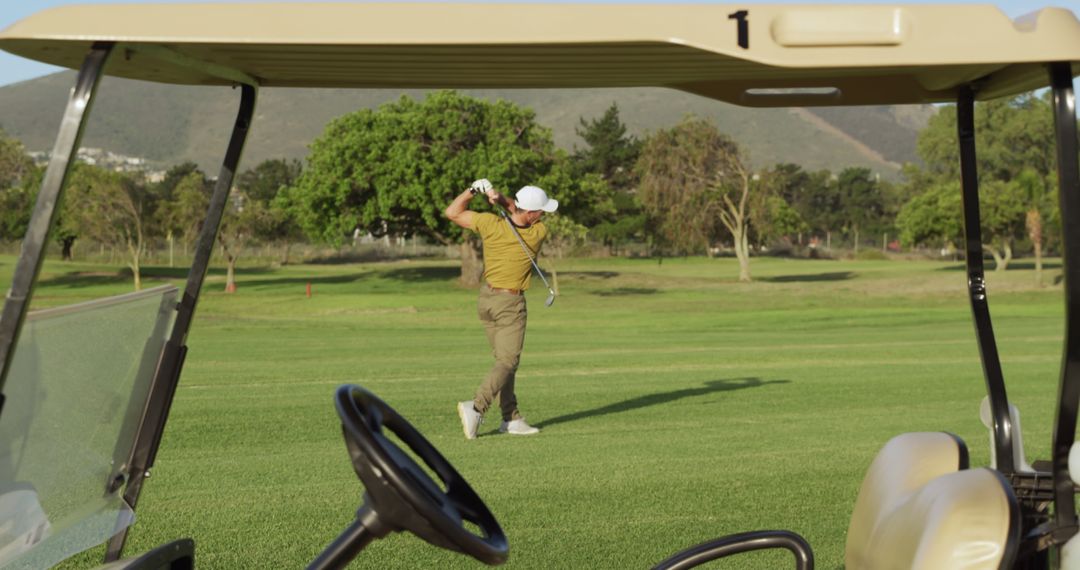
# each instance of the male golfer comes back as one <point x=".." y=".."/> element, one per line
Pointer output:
<point x="507" y="272"/>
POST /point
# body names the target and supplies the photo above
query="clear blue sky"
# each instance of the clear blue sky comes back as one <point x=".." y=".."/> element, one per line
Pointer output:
<point x="14" y="69"/>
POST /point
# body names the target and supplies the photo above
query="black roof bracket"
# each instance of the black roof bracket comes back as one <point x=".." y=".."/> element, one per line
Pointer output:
<point x="976" y="281"/>
<point x="1068" y="170"/>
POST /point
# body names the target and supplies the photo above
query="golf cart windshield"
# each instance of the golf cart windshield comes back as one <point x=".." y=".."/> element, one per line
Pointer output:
<point x="81" y="377"/>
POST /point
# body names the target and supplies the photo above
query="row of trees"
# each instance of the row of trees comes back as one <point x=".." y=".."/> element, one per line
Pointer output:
<point x="683" y="190"/>
<point x="125" y="212"/>
<point x="1017" y="176"/>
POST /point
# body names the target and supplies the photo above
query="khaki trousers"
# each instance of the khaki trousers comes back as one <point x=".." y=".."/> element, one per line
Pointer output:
<point x="504" y="316"/>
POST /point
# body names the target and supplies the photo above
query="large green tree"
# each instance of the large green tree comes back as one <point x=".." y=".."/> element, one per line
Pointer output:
<point x="1002" y="215"/>
<point x="610" y="151"/>
<point x="17" y="205"/>
<point x="265" y="180"/>
<point x="1010" y="134"/>
<point x="812" y="195"/>
<point x="693" y="181"/>
<point x="615" y="216"/>
<point x="1016" y="161"/>
<point x="862" y="202"/>
<point x="394" y="169"/>
<point x="19" y="180"/>
<point x="772" y="219"/>
<point x="266" y="184"/>
<point x="933" y="218"/>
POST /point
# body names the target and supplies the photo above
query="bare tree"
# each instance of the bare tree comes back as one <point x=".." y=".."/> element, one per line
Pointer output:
<point x="183" y="215"/>
<point x="243" y="220"/>
<point x="113" y="209"/>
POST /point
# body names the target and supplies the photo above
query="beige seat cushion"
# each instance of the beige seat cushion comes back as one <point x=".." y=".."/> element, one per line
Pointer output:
<point x="918" y="510"/>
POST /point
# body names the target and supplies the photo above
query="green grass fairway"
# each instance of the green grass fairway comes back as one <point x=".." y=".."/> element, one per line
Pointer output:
<point x="676" y="404"/>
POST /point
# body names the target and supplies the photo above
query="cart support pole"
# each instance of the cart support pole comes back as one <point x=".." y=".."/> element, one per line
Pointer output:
<point x="1064" y="102"/>
<point x="152" y="425"/>
<point x="976" y="281"/>
<point x="48" y="201"/>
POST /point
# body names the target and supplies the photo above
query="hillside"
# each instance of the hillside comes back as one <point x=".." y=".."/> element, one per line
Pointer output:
<point x="168" y="124"/>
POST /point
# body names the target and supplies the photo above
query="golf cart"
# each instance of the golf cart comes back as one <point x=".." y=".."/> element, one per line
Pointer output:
<point x="81" y="422"/>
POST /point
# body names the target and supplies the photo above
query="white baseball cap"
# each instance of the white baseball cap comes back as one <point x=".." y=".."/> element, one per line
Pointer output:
<point x="533" y="198"/>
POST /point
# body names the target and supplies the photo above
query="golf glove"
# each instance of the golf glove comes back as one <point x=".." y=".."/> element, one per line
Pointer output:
<point x="482" y="186"/>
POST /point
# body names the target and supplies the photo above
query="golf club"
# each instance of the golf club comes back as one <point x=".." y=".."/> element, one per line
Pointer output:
<point x="513" y="228"/>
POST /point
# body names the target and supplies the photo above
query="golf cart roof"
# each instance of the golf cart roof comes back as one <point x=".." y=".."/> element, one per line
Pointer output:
<point x="766" y="55"/>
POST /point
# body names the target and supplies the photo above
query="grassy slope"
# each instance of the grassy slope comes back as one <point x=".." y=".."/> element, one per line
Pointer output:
<point x="677" y="404"/>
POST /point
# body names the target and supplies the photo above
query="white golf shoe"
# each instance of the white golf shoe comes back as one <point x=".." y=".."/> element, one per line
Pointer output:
<point x="470" y="418"/>
<point x="518" y="427"/>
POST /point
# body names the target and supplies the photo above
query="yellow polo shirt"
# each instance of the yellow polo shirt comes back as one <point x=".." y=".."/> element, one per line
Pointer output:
<point x="505" y="264"/>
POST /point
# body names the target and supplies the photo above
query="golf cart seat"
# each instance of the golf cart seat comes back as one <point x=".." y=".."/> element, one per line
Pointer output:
<point x="76" y="397"/>
<point x="918" y="508"/>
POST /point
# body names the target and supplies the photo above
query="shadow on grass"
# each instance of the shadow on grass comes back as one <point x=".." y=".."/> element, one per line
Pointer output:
<point x="834" y="276"/>
<point x="175" y="273"/>
<point x="368" y="256"/>
<point x="589" y="274"/>
<point x="321" y="280"/>
<point x="413" y="274"/>
<point x="625" y="291"/>
<point x="988" y="266"/>
<point x="1030" y="265"/>
<point x="710" y="387"/>
<point x="88" y="278"/>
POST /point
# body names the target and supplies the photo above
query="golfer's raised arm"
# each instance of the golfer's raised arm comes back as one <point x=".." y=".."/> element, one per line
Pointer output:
<point x="497" y="199"/>
<point x="458" y="211"/>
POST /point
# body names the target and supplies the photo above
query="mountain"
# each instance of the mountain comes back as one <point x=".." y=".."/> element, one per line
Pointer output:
<point x="168" y="124"/>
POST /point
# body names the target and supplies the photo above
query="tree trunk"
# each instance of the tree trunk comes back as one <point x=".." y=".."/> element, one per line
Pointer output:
<point x="472" y="265"/>
<point x="66" y="245"/>
<point x="1034" y="226"/>
<point x="1008" y="256"/>
<point x="742" y="252"/>
<point x="552" y="271"/>
<point x="134" y="265"/>
<point x="999" y="264"/>
<point x="1038" y="264"/>
<point x="285" y="254"/>
<point x="856" y="240"/>
<point x="135" y="250"/>
<point x="230" y="274"/>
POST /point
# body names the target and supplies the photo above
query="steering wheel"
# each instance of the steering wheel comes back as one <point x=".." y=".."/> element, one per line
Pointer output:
<point x="399" y="493"/>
